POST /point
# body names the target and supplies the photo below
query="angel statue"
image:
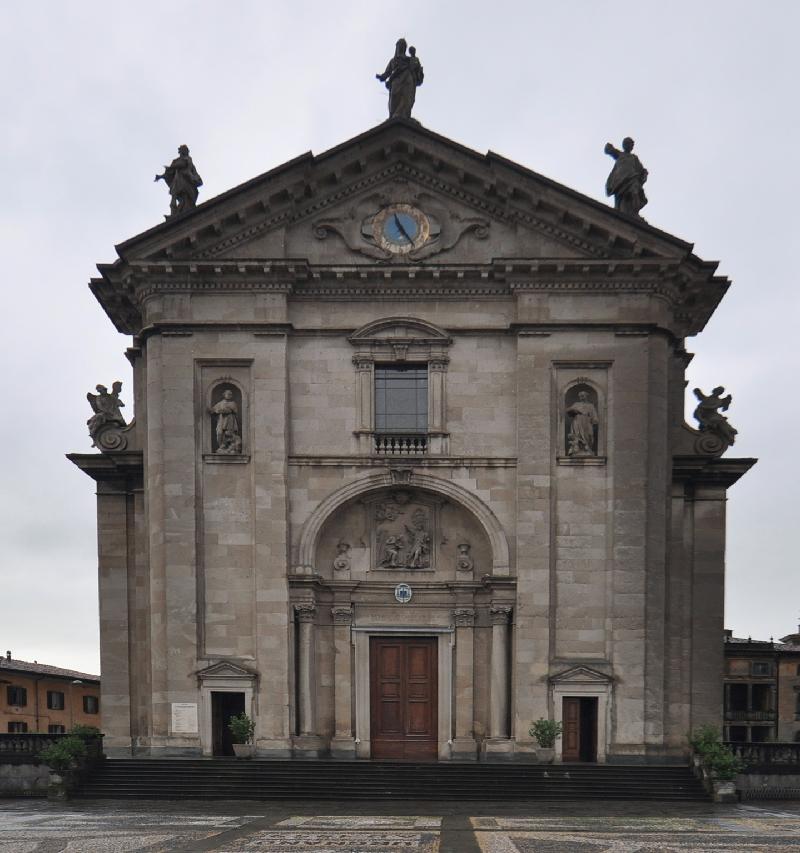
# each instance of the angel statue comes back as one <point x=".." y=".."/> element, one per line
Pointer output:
<point x="106" y="408"/>
<point x="707" y="413"/>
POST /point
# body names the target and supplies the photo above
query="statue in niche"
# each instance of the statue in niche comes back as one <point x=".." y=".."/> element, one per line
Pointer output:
<point x="106" y="408"/>
<point x="582" y="432"/>
<point x="341" y="562"/>
<point x="402" y="544"/>
<point x="627" y="179"/>
<point x="183" y="181"/>
<point x="229" y="439"/>
<point x="464" y="561"/>
<point x="709" y="417"/>
<point x="402" y="76"/>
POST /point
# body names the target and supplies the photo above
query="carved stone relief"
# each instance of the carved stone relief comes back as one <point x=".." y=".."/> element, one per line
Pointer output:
<point x="342" y="561"/>
<point x="464" y="562"/>
<point x="464" y="617"/>
<point x="403" y="528"/>
<point x="106" y="423"/>
<point x="718" y="434"/>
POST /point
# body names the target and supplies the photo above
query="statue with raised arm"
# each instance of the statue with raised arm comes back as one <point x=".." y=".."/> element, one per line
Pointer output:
<point x="709" y="417"/>
<point x="106" y="408"/>
<point x="183" y="181"/>
<point x="402" y="76"/>
<point x="627" y="179"/>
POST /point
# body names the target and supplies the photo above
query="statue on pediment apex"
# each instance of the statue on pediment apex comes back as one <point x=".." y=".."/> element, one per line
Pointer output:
<point x="402" y="76"/>
<point x="183" y="181"/>
<point x="627" y="179"/>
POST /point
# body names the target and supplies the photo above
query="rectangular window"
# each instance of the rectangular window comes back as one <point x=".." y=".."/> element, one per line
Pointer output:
<point x="91" y="704"/>
<point x="401" y="399"/>
<point x="55" y="700"/>
<point x="56" y="729"/>
<point x="17" y="728"/>
<point x="761" y="668"/>
<point x="17" y="696"/>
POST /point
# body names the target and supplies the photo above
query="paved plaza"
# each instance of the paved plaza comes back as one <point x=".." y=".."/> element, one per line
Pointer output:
<point x="38" y="826"/>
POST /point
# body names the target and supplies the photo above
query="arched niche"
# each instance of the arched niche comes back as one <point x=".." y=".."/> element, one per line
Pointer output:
<point x="217" y="410"/>
<point x="451" y="507"/>
<point x="583" y="430"/>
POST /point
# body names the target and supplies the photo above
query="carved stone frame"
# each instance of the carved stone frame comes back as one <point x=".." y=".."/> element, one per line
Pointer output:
<point x="400" y="340"/>
<point x="566" y="375"/>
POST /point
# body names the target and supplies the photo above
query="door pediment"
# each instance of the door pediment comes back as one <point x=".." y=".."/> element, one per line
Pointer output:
<point x="581" y="675"/>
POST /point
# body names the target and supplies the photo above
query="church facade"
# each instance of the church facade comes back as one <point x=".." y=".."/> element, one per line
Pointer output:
<point x="409" y="469"/>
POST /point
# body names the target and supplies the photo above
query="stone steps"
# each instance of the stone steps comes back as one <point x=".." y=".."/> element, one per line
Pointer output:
<point x="329" y="780"/>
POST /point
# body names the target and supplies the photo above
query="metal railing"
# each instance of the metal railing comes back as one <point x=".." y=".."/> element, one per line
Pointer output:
<point x="750" y="715"/>
<point x="769" y="753"/>
<point x="401" y="444"/>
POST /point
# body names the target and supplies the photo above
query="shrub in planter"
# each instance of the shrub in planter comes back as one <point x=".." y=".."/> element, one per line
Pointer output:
<point x="64" y="754"/>
<point x="545" y="732"/>
<point x="724" y="765"/>
<point x="242" y="728"/>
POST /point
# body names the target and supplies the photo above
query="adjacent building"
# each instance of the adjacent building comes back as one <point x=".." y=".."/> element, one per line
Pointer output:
<point x="762" y="689"/>
<point x="36" y="697"/>
<point x="409" y="468"/>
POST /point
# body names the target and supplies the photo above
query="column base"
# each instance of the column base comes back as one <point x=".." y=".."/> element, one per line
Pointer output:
<point x="308" y="746"/>
<point x="498" y="749"/>
<point x="464" y="749"/>
<point x="343" y="748"/>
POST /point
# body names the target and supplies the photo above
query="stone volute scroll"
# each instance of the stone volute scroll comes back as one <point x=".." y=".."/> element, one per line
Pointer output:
<point x="183" y="181"/>
<point x="627" y="179"/>
<point x="402" y="76"/>
<point x="106" y="425"/>
<point x="581" y="421"/>
<point x="225" y="412"/>
<point x="717" y="434"/>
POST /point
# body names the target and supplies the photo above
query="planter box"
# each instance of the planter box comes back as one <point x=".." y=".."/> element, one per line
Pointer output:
<point x="545" y="755"/>
<point x="244" y="750"/>
<point x="724" y="792"/>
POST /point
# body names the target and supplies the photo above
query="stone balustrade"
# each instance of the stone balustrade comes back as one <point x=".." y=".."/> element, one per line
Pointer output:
<point x="768" y="753"/>
<point x="404" y="445"/>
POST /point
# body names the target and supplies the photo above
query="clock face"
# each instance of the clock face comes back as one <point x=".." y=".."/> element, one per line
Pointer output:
<point x="400" y="228"/>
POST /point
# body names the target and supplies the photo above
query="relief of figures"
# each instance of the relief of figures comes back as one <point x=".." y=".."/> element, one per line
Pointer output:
<point x="403" y="536"/>
<point x="582" y="424"/>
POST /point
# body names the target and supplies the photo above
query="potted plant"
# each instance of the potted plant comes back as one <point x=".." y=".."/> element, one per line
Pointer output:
<point x="545" y="733"/>
<point x="242" y="730"/>
<point x="717" y="763"/>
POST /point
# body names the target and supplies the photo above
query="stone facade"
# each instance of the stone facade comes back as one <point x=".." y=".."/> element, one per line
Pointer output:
<point x="549" y="330"/>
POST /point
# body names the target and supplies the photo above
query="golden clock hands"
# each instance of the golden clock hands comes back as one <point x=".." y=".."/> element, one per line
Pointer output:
<point x="400" y="228"/>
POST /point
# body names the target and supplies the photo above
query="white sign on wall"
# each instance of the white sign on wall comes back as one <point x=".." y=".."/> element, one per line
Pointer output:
<point x="184" y="718"/>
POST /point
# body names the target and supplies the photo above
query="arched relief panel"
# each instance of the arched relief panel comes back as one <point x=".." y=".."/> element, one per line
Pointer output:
<point x="402" y="531"/>
<point x="450" y="507"/>
<point x="581" y="406"/>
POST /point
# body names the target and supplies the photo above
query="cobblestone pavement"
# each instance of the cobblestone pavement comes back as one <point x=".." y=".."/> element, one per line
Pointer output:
<point x="105" y="826"/>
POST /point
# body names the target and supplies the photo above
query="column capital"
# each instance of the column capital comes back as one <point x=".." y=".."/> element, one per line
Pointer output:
<point x="500" y="614"/>
<point x="464" y="617"/>
<point x="305" y="611"/>
<point x="363" y="362"/>
<point x="342" y="614"/>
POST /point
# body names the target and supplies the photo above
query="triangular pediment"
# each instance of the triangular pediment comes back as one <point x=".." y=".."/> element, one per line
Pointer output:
<point x="226" y="669"/>
<point x="482" y="199"/>
<point x="580" y="675"/>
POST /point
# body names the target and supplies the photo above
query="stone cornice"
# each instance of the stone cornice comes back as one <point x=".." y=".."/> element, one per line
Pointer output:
<point x="714" y="472"/>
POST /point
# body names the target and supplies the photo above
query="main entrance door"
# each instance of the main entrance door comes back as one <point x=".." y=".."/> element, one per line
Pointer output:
<point x="224" y="705"/>
<point x="580" y="729"/>
<point x="403" y="698"/>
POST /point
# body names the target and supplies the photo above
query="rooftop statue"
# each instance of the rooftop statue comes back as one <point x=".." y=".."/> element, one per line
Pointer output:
<point x="106" y="408"/>
<point x="183" y="181"/>
<point x="707" y="413"/>
<point x="402" y="76"/>
<point x="627" y="178"/>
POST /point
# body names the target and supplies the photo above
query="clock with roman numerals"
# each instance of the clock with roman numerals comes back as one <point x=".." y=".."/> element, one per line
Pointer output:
<point x="400" y="228"/>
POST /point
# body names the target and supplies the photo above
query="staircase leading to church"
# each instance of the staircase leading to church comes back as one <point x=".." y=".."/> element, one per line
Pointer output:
<point x="367" y="780"/>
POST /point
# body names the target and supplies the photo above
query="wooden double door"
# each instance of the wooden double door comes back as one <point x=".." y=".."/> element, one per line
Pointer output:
<point x="403" y="698"/>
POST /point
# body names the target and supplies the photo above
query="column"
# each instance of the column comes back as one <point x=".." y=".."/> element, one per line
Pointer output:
<point x="365" y="420"/>
<point x="464" y="748"/>
<point x="437" y="407"/>
<point x="305" y="676"/>
<point x="343" y="744"/>
<point x="499" y="742"/>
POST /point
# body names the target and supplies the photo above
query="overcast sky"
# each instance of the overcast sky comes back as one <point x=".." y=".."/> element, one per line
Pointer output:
<point x="98" y="95"/>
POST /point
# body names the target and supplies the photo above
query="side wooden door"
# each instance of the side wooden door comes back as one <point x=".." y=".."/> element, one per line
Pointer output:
<point x="571" y="736"/>
<point x="403" y="698"/>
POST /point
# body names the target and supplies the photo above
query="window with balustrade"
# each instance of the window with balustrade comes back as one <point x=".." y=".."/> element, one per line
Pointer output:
<point x="401" y="408"/>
